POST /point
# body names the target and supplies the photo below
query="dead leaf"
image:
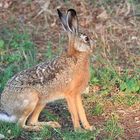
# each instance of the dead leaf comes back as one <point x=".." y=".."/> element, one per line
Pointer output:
<point x="5" y="4"/>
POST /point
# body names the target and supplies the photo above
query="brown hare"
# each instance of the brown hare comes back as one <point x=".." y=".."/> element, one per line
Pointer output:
<point x="66" y="77"/>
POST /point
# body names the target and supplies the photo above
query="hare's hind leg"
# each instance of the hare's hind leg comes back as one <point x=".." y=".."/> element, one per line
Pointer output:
<point x="32" y="98"/>
<point x="35" y="115"/>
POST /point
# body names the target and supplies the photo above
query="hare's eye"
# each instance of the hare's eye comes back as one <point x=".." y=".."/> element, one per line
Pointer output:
<point x="86" y="39"/>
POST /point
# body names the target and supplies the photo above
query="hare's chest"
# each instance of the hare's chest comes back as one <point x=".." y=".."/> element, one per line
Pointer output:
<point x="79" y="81"/>
<point x="81" y="78"/>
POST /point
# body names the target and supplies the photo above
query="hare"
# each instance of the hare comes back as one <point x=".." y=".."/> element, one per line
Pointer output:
<point x="66" y="77"/>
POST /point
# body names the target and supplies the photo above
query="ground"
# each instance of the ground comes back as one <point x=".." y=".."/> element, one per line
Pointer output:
<point x="30" y="32"/>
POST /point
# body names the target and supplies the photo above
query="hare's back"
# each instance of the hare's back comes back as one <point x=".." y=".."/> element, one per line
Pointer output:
<point x="43" y="77"/>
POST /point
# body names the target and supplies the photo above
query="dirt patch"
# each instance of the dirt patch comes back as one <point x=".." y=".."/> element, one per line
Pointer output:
<point x="130" y="120"/>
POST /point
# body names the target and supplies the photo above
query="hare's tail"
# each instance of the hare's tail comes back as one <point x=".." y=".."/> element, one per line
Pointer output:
<point x="6" y="117"/>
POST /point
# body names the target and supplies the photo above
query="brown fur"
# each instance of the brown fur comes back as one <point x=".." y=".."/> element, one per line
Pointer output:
<point x="28" y="92"/>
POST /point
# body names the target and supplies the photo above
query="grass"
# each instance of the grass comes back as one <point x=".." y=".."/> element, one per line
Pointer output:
<point x="10" y="130"/>
<point x="127" y="99"/>
<point x="17" y="52"/>
<point x="113" y="128"/>
<point x="85" y="135"/>
<point x="108" y="78"/>
<point x="97" y="109"/>
<point x="46" y="133"/>
<point x="13" y="131"/>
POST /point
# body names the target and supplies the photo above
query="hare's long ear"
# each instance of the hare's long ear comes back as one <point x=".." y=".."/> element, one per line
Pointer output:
<point x="63" y="20"/>
<point x="72" y="21"/>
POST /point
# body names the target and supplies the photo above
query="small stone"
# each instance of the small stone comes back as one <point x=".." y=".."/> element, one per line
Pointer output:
<point x="2" y="136"/>
<point x="137" y="119"/>
<point x="86" y="90"/>
<point x="9" y="131"/>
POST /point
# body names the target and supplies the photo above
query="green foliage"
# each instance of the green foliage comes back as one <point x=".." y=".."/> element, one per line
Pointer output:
<point x="113" y="129"/>
<point x="50" y="116"/>
<point x="134" y="1"/>
<point x="17" y="52"/>
<point x="13" y="131"/>
<point x="97" y="109"/>
<point x="102" y="76"/>
<point x="93" y="77"/>
<point x="130" y="85"/>
<point x="65" y="0"/>
<point x="10" y="130"/>
<point x="1" y="44"/>
<point x="45" y="133"/>
<point x="52" y="52"/>
<point x="108" y="78"/>
<point x="49" y="53"/>
<point x="128" y="99"/>
<point x="81" y="135"/>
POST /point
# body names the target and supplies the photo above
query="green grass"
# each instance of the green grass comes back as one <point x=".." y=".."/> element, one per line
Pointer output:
<point x="108" y="78"/>
<point x="113" y="128"/>
<point x="17" y="52"/>
<point x="127" y="99"/>
<point x="13" y="131"/>
<point x="10" y="130"/>
<point x="83" y="135"/>
<point x="97" y="109"/>
<point x="45" y="133"/>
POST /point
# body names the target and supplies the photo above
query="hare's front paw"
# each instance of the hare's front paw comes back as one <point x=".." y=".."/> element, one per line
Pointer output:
<point x="91" y="128"/>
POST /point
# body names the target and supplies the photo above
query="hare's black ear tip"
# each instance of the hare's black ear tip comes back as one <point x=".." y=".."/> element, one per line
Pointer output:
<point x="72" y="11"/>
<point x="58" y="11"/>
